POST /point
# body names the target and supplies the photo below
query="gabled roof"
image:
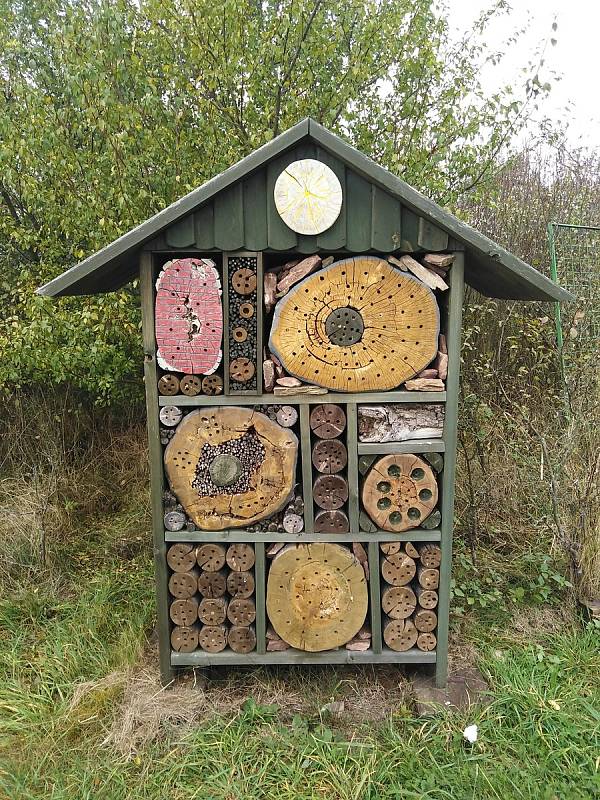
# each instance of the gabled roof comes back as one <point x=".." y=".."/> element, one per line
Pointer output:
<point x="381" y="213"/>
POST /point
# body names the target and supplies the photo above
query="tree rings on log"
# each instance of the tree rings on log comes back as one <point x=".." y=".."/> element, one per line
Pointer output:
<point x="425" y="620"/>
<point x="399" y="492"/>
<point x="330" y="491"/>
<point x="398" y="602"/>
<point x="287" y="416"/>
<point x="329" y="456"/>
<point x="389" y="548"/>
<point x="184" y="612"/>
<point x="292" y="523"/>
<point x="426" y="642"/>
<point x="242" y="638"/>
<point x="316" y="596"/>
<point x="184" y="639"/>
<point x="241" y="611"/>
<point x="400" y="635"/>
<point x="243" y="281"/>
<point x="366" y="326"/>
<point x="430" y="555"/>
<point x="212" y="384"/>
<point x="213" y="638"/>
<point x="327" y="421"/>
<point x="331" y="522"/>
<point x="308" y="196"/>
<point x="240" y="584"/>
<point x="427" y="598"/>
<point x="246" y="310"/>
<point x="191" y="385"/>
<point x="212" y="610"/>
<point x="214" y="445"/>
<point x="240" y="556"/>
<point x="189" y="316"/>
<point x="184" y="584"/>
<point x="212" y="584"/>
<point x="428" y="578"/>
<point x="170" y="416"/>
<point x="168" y="385"/>
<point x="181" y="557"/>
<point x="398" y="569"/>
<point x="174" y="521"/>
<point x="211" y="557"/>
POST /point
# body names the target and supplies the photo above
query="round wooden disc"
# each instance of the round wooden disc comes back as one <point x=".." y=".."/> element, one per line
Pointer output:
<point x="329" y="456"/>
<point x="426" y="641"/>
<point x="170" y="416"/>
<point x="331" y="522"/>
<point x="287" y="416"/>
<point x="240" y="584"/>
<point x="398" y="569"/>
<point x="244" y="281"/>
<point x="390" y="332"/>
<point x="212" y="610"/>
<point x="190" y="385"/>
<point x="181" y="557"/>
<point x="292" y="523"/>
<point x="399" y="492"/>
<point x="183" y="584"/>
<point x="212" y="384"/>
<point x="239" y="334"/>
<point x="212" y="584"/>
<point x="184" y="639"/>
<point x="431" y="555"/>
<point x="241" y="638"/>
<point x="398" y="602"/>
<point x="241" y="611"/>
<point x="316" y="595"/>
<point x="428" y="578"/>
<point x="308" y="196"/>
<point x="246" y="310"/>
<point x="240" y="556"/>
<point x="168" y="385"/>
<point x="400" y="635"/>
<point x="211" y="557"/>
<point x="268" y="453"/>
<point x="425" y="620"/>
<point x="428" y="598"/>
<point x="327" y="421"/>
<point x="213" y="638"/>
<point x="242" y="369"/>
<point x="174" y="520"/>
<point x="184" y="612"/>
<point x="330" y="491"/>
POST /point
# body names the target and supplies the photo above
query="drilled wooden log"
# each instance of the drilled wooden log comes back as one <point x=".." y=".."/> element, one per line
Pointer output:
<point x="398" y="569"/>
<point x="175" y="521"/>
<point x="292" y="523"/>
<point x="426" y="598"/>
<point x="168" y="385"/>
<point x="184" y="584"/>
<point x="241" y="611"/>
<point x="331" y="522"/>
<point x="240" y="556"/>
<point x="212" y="384"/>
<point x="398" y="602"/>
<point x="241" y="370"/>
<point x="212" y="584"/>
<point x="212" y="610"/>
<point x="411" y="550"/>
<point x="430" y="555"/>
<point x="170" y="416"/>
<point x="425" y="620"/>
<point x="327" y="421"/>
<point x="211" y="557"/>
<point x="184" y="612"/>
<point x="184" y="639"/>
<point x="432" y="521"/>
<point x="389" y="548"/>
<point x="399" y="492"/>
<point x="426" y="642"/>
<point x="213" y="638"/>
<point x="428" y="578"/>
<point x="231" y="466"/>
<point x="398" y="422"/>
<point x="190" y="385"/>
<point x="287" y="416"/>
<point x="242" y="638"/>
<point x="240" y="584"/>
<point x="181" y="557"/>
<point x="330" y="492"/>
<point x="316" y="595"/>
<point x="329" y="456"/>
<point x="400" y="634"/>
<point x="365" y="326"/>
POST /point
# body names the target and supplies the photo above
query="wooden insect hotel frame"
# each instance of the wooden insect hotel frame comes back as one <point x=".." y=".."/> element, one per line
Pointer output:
<point x="301" y="331"/>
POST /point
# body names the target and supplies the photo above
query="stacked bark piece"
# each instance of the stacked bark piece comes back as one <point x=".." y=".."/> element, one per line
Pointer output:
<point x="212" y="590"/>
<point x="411" y="576"/>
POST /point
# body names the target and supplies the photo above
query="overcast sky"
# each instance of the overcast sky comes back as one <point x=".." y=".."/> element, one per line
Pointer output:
<point x="576" y="56"/>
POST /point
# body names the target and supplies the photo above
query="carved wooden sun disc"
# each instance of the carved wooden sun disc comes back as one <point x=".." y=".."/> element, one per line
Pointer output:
<point x="308" y="196"/>
<point x="359" y="325"/>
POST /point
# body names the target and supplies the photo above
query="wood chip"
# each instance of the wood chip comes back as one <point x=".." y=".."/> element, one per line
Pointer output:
<point x="442" y="365"/>
<point x="439" y="260"/>
<point x="423" y="274"/>
<point x="288" y="391"/>
<point x="268" y="375"/>
<point x="270" y="287"/>
<point x="424" y="385"/>
<point x="397" y="263"/>
<point x="289" y="381"/>
<point x="297" y="273"/>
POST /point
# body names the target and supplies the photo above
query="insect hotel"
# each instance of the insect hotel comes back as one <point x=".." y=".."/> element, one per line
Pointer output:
<point x="301" y="329"/>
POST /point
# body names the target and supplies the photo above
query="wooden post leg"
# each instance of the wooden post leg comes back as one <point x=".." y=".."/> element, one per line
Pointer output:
<point x="167" y="673"/>
<point x="448" y="475"/>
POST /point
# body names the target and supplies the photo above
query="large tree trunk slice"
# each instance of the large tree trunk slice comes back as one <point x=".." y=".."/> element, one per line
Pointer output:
<point x="316" y="596"/>
<point x="358" y="325"/>
<point x="399" y="492"/>
<point x="231" y="467"/>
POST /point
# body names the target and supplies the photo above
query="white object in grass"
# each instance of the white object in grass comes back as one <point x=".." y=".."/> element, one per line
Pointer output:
<point x="470" y="733"/>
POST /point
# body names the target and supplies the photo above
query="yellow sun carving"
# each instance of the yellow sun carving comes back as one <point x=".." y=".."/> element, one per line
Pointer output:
<point x="308" y="196"/>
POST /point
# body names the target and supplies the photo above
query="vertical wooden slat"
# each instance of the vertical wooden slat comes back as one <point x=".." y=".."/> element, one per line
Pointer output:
<point x="410" y="231"/>
<point x="334" y="238"/>
<point x="229" y="218"/>
<point x="255" y="211"/>
<point x="279" y="235"/>
<point x="385" y="221"/>
<point x="455" y="303"/>
<point x="431" y="237"/>
<point x="260" y="578"/>
<point x="305" y="449"/>
<point x="374" y="596"/>
<point x="204" y="225"/>
<point x="156" y="465"/>
<point x="225" y="323"/>
<point x="358" y="213"/>
<point x="352" y="439"/>
<point x="181" y="234"/>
